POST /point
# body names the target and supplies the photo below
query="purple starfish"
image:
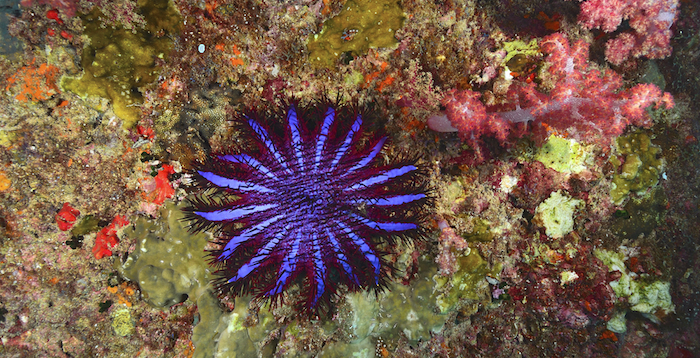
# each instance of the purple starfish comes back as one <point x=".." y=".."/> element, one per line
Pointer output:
<point x="310" y="206"/>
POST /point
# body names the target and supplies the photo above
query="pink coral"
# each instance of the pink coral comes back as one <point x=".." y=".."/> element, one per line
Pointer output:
<point x="650" y="21"/>
<point x="585" y="103"/>
<point x="449" y="239"/>
<point x="588" y="104"/>
<point x="472" y="117"/>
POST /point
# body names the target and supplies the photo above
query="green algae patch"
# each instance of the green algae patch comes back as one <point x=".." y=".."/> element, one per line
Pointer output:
<point x="118" y="62"/>
<point x="556" y="214"/>
<point x="520" y="48"/>
<point x="618" y="323"/>
<point x="7" y="137"/>
<point x="639" y="169"/>
<point x="361" y="25"/>
<point x="168" y="263"/>
<point x="222" y="335"/>
<point x="480" y="232"/>
<point x="464" y="283"/>
<point x="563" y="155"/>
<point x="88" y="224"/>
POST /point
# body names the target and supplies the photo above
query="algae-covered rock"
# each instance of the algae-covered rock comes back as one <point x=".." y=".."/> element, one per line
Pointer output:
<point x="118" y="61"/>
<point x="464" y="283"/>
<point x="618" y="323"/>
<point x="480" y="232"/>
<point x="405" y="309"/>
<point x="644" y="295"/>
<point x="221" y="334"/>
<point x="169" y="265"/>
<point x="416" y="311"/>
<point x="361" y="25"/>
<point x="556" y="214"/>
<point x="520" y="48"/>
<point x="640" y="169"/>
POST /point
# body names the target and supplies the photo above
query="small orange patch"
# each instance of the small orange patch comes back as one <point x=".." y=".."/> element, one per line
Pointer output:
<point x="609" y="335"/>
<point x="4" y="182"/>
<point x="122" y="291"/>
<point x="385" y="82"/>
<point x="210" y="6"/>
<point x="554" y="257"/>
<point x="326" y="7"/>
<point x="34" y="83"/>
<point x="236" y="61"/>
<point x="550" y="23"/>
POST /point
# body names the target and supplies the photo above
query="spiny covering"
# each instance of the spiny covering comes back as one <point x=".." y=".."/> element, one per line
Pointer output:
<point x="311" y="204"/>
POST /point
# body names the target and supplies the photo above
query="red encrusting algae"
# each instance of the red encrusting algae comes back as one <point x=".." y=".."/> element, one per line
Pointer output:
<point x="107" y="238"/>
<point x="65" y="218"/>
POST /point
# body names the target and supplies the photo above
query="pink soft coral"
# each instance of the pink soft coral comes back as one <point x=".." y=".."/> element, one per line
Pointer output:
<point x="584" y="103"/>
<point x="650" y="21"/>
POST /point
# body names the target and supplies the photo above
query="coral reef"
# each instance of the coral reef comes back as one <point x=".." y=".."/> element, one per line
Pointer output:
<point x="558" y="140"/>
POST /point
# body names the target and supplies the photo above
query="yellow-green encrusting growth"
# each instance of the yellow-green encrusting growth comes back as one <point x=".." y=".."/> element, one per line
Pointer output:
<point x="405" y="310"/>
<point x="642" y="294"/>
<point x="361" y="25"/>
<point x="563" y="155"/>
<point x="464" y="282"/>
<point x="641" y="168"/>
<point x="480" y="232"/>
<point x="556" y="214"/>
<point x="122" y="322"/>
<point x="117" y="62"/>
<point x="519" y="47"/>
<point x="168" y="263"/>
